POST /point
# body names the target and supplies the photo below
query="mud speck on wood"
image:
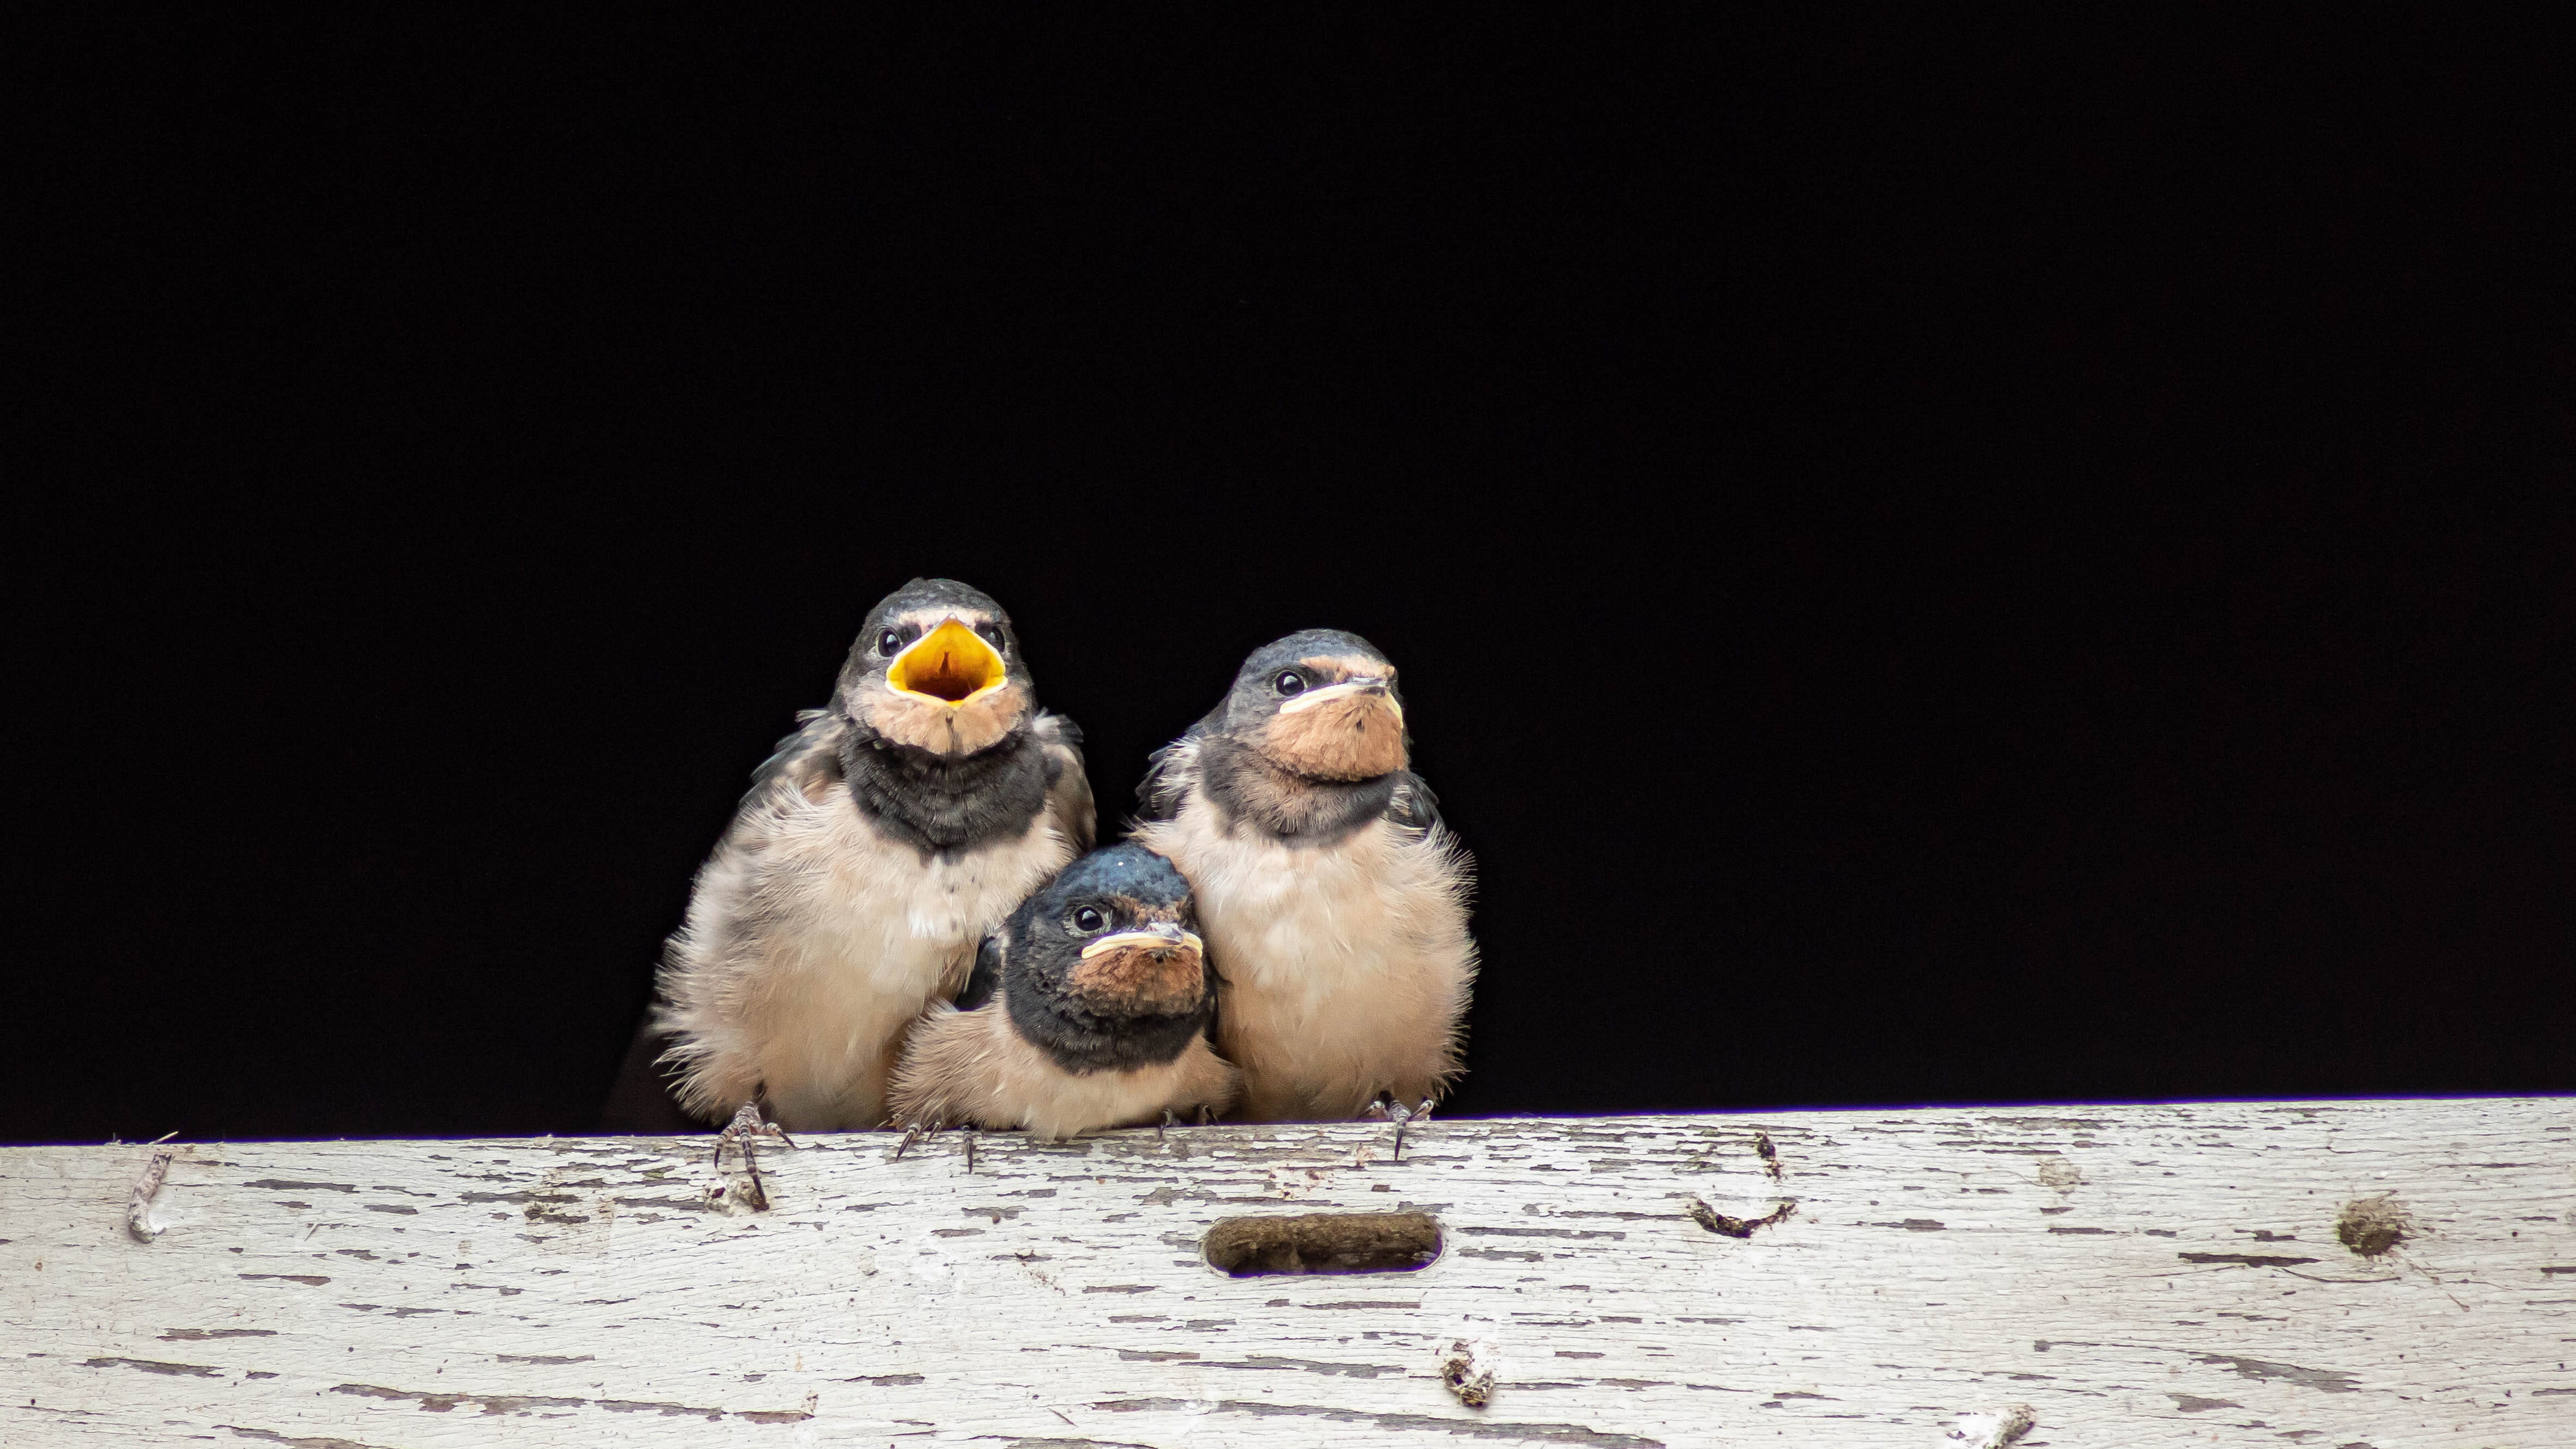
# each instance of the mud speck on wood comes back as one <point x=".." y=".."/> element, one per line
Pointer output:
<point x="1735" y="1227"/>
<point x="2371" y="1226"/>
<point x="1996" y="1431"/>
<point x="1324" y="1243"/>
<point x="1468" y="1369"/>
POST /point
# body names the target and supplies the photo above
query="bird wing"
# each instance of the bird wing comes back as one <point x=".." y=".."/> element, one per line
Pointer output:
<point x="986" y="978"/>
<point x="1414" y="806"/>
<point x="805" y="761"/>
<point x="1170" y="774"/>
<point x="1068" y="787"/>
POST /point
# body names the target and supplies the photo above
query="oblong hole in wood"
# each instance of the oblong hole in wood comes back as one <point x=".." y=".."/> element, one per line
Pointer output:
<point x="1324" y="1243"/>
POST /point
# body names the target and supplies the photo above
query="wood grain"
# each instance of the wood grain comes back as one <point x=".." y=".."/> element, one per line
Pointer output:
<point x="2136" y="1276"/>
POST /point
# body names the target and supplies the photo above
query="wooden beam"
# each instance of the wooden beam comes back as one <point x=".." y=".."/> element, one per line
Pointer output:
<point x="2305" y="1273"/>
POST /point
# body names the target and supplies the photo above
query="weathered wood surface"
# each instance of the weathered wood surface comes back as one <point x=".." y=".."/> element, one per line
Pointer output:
<point x="2136" y="1276"/>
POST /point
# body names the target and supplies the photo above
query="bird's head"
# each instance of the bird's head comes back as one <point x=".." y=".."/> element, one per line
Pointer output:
<point x="937" y="668"/>
<point x="1320" y="704"/>
<point x="1112" y="939"/>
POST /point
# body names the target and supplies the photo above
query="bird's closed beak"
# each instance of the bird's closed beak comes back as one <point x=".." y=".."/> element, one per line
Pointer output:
<point x="1160" y="936"/>
<point x="1153" y="970"/>
<point x="1362" y="687"/>
<point x="950" y="665"/>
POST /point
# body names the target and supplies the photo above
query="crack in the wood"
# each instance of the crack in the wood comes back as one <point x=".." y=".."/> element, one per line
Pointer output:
<point x="1460" y="1428"/>
<point x="694" y="1204"/>
<point x="1541" y="1233"/>
<point x="1263" y="1361"/>
<point x="150" y="1366"/>
<point x="521" y="1403"/>
<point x="2332" y="1381"/>
<point x="1024" y="1442"/>
<point x="271" y="1436"/>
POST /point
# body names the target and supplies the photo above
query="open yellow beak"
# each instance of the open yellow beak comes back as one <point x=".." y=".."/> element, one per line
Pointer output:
<point x="950" y="665"/>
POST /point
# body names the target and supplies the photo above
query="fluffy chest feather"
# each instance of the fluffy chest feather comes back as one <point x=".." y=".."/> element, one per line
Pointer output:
<point x="971" y="1066"/>
<point x="1346" y="966"/>
<point x="853" y="934"/>
<point x="1307" y="924"/>
<point x="873" y="908"/>
<point x="1022" y="1088"/>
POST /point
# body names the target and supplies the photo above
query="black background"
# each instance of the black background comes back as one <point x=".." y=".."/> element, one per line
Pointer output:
<point x="1933" y="560"/>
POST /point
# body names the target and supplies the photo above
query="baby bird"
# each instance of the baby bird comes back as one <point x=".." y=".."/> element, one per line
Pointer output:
<point x="877" y="847"/>
<point x="1333" y="900"/>
<point x="1089" y="1008"/>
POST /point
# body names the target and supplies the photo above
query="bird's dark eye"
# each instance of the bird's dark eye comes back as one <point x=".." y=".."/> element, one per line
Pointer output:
<point x="1086" y="920"/>
<point x="1290" y="682"/>
<point x="992" y="635"/>
<point x="889" y="643"/>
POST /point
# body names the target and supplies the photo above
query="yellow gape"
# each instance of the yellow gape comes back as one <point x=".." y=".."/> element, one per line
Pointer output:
<point x="951" y="665"/>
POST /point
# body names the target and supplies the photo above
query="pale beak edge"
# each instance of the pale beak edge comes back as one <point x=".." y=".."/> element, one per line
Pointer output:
<point x="1150" y="940"/>
<point x="1344" y="690"/>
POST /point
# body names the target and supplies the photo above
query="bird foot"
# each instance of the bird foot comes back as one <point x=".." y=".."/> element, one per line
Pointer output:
<point x="914" y="1132"/>
<point x="1387" y="1109"/>
<point x="748" y="1123"/>
<point x="922" y="1131"/>
<point x="1204" y="1116"/>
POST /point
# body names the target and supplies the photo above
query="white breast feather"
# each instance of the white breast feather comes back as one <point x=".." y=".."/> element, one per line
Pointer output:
<point x="813" y="942"/>
<point x="969" y="1066"/>
<point x="1347" y="966"/>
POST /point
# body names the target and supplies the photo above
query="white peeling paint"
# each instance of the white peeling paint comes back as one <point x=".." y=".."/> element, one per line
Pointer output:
<point x="2137" y="1276"/>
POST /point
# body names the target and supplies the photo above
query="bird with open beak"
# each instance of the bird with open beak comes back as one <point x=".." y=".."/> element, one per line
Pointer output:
<point x="878" y="847"/>
<point x="1333" y="900"/>
<point x="1088" y="1009"/>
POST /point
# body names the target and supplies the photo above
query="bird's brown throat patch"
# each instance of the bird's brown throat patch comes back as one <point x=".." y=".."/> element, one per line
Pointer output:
<point x="947" y="729"/>
<point x="950" y="693"/>
<point x="1140" y="981"/>
<point x="1359" y="737"/>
